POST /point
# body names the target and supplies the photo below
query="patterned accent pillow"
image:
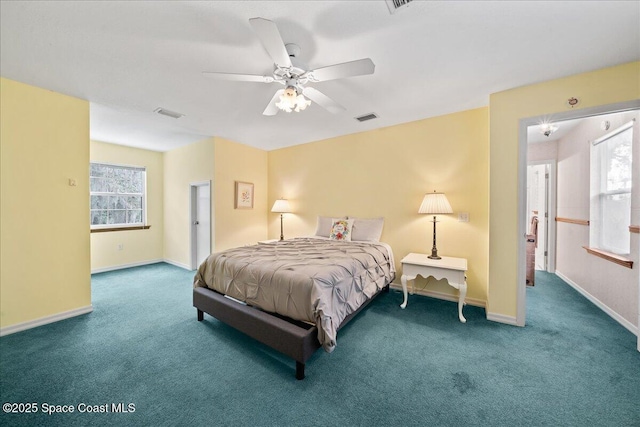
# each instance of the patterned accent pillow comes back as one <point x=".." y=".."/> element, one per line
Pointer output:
<point x="325" y="223"/>
<point x="341" y="230"/>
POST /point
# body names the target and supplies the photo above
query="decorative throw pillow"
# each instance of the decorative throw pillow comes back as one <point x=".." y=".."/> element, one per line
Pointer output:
<point x="341" y="230"/>
<point x="323" y="227"/>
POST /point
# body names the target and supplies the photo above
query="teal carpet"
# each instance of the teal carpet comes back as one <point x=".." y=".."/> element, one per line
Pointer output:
<point x="571" y="366"/>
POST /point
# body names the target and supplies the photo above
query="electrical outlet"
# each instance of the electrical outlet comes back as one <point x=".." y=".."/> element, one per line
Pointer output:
<point x="463" y="217"/>
<point x="72" y="182"/>
<point x="120" y="246"/>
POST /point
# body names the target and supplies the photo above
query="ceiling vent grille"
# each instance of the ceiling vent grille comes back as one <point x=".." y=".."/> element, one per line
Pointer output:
<point x="397" y="4"/>
<point x="168" y="113"/>
<point x="366" y="117"/>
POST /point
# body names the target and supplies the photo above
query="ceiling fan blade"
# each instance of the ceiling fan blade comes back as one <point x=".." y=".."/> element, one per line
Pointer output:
<point x="272" y="109"/>
<point x="346" y="69"/>
<point x="238" y="77"/>
<point x="323" y="100"/>
<point x="271" y="40"/>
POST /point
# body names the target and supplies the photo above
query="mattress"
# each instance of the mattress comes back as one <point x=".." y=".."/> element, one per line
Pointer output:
<point x="307" y="279"/>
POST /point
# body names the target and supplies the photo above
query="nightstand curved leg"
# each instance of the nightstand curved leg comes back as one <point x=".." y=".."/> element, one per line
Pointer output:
<point x="403" y="279"/>
<point x="461" y="303"/>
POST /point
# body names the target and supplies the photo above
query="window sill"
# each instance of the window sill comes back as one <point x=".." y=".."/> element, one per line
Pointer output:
<point x="620" y="260"/>
<point x="135" y="227"/>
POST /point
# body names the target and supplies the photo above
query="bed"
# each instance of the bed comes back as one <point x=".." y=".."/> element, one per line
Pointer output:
<point x="293" y="295"/>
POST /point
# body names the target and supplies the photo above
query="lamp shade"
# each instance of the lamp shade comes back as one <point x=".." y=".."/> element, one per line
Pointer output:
<point x="281" y="206"/>
<point x="435" y="203"/>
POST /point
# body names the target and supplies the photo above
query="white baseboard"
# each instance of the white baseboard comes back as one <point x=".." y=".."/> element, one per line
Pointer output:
<point x="138" y="264"/>
<point x="440" y="295"/>
<point x="501" y="318"/>
<point x="45" y="320"/>
<point x="602" y="306"/>
<point x="178" y="264"/>
<point x="123" y="266"/>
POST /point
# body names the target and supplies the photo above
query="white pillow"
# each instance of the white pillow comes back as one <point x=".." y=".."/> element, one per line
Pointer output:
<point x="323" y="227"/>
<point x="341" y="229"/>
<point x="367" y="229"/>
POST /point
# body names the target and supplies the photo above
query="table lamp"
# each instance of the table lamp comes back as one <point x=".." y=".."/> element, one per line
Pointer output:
<point x="435" y="204"/>
<point x="281" y="206"/>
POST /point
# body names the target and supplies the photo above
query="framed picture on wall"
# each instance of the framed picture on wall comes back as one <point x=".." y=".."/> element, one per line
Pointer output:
<point x="244" y="195"/>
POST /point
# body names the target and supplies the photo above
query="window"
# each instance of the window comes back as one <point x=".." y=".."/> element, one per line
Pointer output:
<point x="117" y="195"/>
<point x="611" y="191"/>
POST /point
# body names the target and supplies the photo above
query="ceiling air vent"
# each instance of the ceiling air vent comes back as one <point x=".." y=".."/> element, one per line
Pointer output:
<point x="397" y="4"/>
<point x="168" y="113"/>
<point x="366" y="117"/>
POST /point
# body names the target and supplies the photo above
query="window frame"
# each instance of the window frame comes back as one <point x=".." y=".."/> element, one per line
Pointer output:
<point x="599" y="192"/>
<point x="120" y="226"/>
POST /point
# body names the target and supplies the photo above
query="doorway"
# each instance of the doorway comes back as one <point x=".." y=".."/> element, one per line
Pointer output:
<point x="537" y="186"/>
<point x="541" y="198"/>
<point x="523" y="217"/>
<point x="200" y="218"/>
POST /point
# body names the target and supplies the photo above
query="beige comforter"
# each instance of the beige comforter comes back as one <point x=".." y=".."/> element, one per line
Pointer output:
<point x="314" y="280"/>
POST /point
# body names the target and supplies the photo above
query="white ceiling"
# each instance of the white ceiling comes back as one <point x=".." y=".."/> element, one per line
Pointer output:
<point x="432" y="58"/>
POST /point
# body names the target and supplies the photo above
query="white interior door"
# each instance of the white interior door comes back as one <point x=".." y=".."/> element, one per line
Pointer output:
<point x="537" y="196"/>
<point x="200" y="223"/>
<point x="541" y="202"/>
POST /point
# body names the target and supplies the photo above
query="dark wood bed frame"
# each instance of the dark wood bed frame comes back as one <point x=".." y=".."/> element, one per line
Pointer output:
<point x="295" y="339"/>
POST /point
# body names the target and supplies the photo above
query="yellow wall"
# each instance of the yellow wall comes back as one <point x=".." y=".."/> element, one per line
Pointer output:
<point x="44" y="222"/>
<point x="237" y="162"/>
<point x="602" y="87"/>
<point x="183" y="166"/>
<point x="138" y="246"/>
<point x="386" y="172"/>
<point x="222" y="162"/>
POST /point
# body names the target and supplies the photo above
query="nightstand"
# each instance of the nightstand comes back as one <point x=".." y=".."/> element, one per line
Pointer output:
<point x="452" y="269"/>
<point x="269" y="241"/>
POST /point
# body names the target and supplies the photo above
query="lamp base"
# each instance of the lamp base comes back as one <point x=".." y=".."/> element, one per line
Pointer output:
<point x="281" y="229"/>
<point x="434" y="249"/>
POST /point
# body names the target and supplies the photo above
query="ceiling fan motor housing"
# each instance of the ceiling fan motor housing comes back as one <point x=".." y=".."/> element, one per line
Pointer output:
<point x="298" y="67"/>
<point x="292" y="84"/>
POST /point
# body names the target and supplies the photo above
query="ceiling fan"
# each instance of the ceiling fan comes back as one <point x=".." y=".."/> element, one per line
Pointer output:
<point x="289" y="71"/>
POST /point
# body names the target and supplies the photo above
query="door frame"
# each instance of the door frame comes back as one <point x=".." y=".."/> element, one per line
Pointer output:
<point x="550" y="226"/>
<point x="193" y="197"/>
<point x="524" y="123"/>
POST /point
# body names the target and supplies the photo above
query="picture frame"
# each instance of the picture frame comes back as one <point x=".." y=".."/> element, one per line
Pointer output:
<point x="243" y="195"/>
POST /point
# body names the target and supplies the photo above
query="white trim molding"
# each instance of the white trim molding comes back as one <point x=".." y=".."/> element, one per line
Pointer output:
<point x="441" y="295"/>
<point x="123" y="266"/>
<point x="19" y="327"/>
<point x="139" y="264"/>
<point x="501" y="318"/>
<point x="602" y="306"/>
<point x="178" y="264"/>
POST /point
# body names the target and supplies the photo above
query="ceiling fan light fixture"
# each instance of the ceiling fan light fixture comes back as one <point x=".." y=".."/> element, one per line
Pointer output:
<point x="301" y="103"/>
<point x="290" y="100"/>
